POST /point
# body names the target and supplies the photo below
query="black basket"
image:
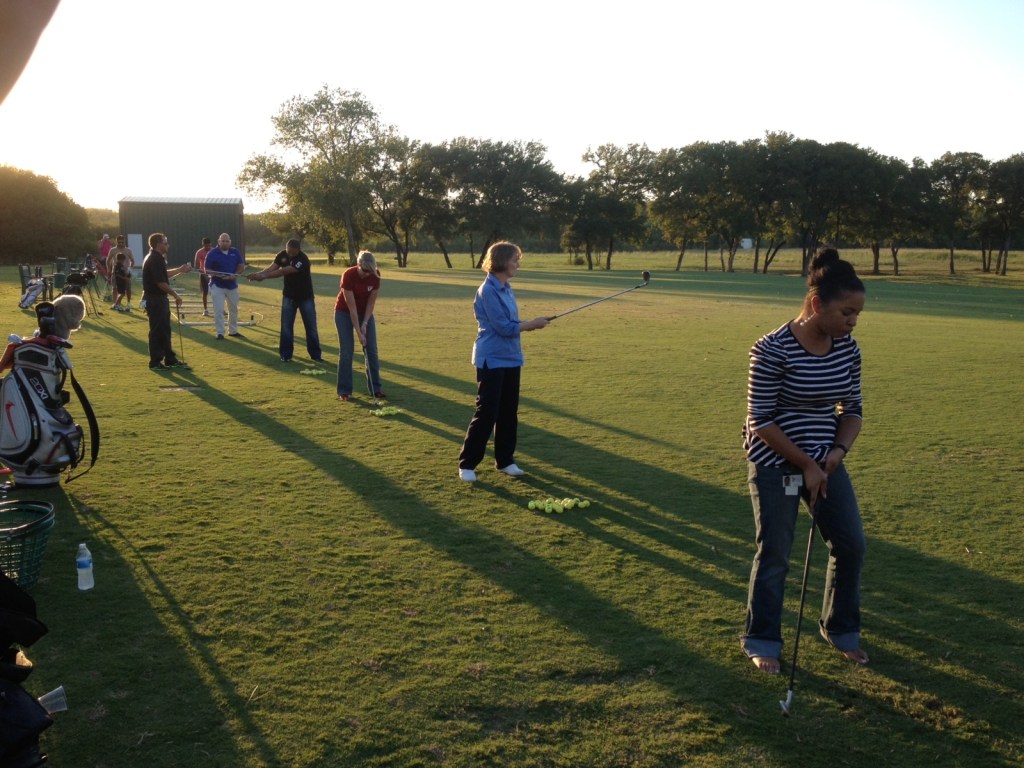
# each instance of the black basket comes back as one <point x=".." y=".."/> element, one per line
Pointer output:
<point x="24" y="530"/>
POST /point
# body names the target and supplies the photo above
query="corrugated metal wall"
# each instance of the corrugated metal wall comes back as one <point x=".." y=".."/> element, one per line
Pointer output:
<point x="185" y="221"/>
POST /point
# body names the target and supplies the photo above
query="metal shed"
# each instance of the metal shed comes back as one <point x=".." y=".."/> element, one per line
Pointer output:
<point x="185" y="221"/>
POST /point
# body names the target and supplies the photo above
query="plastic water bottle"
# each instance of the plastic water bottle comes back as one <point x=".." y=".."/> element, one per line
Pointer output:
<point x="84" y="561"/>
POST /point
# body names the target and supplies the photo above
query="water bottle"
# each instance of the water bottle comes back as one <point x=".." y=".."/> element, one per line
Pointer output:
<point x="84" y="561"/>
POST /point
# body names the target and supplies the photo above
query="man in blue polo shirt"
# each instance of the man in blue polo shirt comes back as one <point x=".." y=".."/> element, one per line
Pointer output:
<point x="223" y="264"/>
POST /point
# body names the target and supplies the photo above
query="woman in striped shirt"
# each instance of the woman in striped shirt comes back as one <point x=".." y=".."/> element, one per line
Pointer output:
<point x="803" y="414"/>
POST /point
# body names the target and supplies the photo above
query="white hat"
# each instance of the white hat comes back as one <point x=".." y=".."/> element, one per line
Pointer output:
<point x="106" y="237"/>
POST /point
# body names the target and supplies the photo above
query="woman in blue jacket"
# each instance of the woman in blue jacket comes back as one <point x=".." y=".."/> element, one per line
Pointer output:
<point x="498" y="357"/>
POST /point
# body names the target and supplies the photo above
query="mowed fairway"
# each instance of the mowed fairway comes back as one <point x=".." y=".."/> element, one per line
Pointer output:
<point x="286" y="580"/>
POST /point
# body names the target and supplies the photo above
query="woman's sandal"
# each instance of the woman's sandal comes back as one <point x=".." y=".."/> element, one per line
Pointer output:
<point x="857" y="656"/>
<point x="767" y="664"/>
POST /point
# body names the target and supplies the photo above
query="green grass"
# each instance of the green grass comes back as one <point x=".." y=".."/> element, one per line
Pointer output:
<point x="284" y="580"/>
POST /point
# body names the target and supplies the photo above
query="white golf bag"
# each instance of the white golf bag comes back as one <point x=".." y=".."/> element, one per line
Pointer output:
<point x="35" y="287"/>
<point x="39" y="439"/>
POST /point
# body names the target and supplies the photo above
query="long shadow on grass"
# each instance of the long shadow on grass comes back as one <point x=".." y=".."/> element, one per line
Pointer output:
<point x="652" y="519"/>
<point x="131" y="680"/>
<point x="465" y="386"/>
<point x="671" y="510"/>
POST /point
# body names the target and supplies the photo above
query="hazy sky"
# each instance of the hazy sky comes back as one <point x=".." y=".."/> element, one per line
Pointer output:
<point x="169" y="99"/>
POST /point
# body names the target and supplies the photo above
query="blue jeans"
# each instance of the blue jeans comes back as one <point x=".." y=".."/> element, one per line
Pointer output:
<point x="307" y="309"/>
<point x="775" y="514"/>
<point x="346" y="334"/>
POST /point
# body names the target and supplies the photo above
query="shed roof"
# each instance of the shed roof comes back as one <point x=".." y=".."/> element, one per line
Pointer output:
<point x="183" y="200"/>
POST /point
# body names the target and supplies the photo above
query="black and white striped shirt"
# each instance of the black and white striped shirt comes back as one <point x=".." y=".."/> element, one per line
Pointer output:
<point x="803" y="394"/>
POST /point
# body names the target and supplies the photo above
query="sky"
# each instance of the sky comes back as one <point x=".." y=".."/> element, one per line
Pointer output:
<point x="170" y="99"/>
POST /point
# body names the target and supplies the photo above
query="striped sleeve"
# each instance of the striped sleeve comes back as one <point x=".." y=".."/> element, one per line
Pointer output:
<point x="767" y="371"/>
<point x="853" y="403"/>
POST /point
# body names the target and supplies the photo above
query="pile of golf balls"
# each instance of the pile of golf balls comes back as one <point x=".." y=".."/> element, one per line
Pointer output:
<point x="550" y="505"/>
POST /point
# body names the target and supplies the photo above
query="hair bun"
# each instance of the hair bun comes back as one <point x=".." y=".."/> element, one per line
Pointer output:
<point x="825" y="257"/>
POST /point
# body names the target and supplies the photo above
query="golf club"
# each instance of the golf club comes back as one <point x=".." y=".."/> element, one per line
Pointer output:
<point x="788" y="703"/>
<point x="645" y="275"/>
<point x="369" y="380"/>
<point x="181" y="342"/>
<point x="223" y="275"/>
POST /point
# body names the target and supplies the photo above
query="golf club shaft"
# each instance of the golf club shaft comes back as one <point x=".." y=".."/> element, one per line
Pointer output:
<point x="181" y="341"/>
<point x="369" y="380"/>
<point x="803" y="597"/>
<point x="592" y="303"/>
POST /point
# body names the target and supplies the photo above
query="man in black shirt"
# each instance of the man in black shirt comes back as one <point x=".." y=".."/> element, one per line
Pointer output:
<point x="156" y="288"/>
<point x="292" y="265"/>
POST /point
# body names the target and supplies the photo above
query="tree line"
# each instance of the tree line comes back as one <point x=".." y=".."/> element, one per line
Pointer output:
<point x="344" y="178"/>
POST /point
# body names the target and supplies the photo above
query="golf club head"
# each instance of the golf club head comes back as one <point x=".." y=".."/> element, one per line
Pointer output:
<point x="787" y="703"/>
<point x="646" y="276"/>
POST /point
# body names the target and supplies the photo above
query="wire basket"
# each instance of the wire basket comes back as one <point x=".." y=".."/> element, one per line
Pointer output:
<point x="24" y="530"/>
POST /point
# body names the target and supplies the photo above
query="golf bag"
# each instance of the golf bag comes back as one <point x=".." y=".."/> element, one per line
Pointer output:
<point x="32" y="291"/>
<point x="22" y="717"/>
<point x="39" y="439"/>
<point x="76" y="281"/>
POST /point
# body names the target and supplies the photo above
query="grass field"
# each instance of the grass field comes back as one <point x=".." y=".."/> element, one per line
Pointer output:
<point x="286" y="580"/>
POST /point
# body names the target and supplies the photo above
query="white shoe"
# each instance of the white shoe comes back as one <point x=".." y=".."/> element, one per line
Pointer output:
<point x="468" y="475"/>
<point x="512" y="471"/>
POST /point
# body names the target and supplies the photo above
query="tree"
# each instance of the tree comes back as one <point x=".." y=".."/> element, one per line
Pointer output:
<point x="770" y="180"/>
<point x="957" y="178"/>
<point x="599" y="219"/>
<point x="674" y="209"/>
<point x="335" y="137"/>
<point x="881" y="213"/>
<point x="390" y="184"/>
<point x="728" y="199"/>
<point x="502" y="189"/>
<point x="614" y="205"/>
<point x="1005" y="192"/>
<point x="432" y="178"/>
<point x="38" y="222"/>
<point x="681" y="184"/>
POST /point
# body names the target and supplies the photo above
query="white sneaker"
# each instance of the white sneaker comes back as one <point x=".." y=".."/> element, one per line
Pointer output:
<point x="512" y="471"/>
<point x="468" y="475"/>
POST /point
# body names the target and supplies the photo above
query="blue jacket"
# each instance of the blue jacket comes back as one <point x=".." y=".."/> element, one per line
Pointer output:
<point x="498" y="334"/>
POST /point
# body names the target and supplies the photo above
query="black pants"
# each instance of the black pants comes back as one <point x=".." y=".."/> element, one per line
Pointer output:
<point x="159" y="310"/>
<point x="497" y="411"/>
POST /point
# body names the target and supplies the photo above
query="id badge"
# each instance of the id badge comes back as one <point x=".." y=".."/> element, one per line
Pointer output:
<point x="792" y="484"/>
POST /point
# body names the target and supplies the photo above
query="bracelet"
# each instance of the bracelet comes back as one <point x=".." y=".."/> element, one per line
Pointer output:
<point x="840" y="445"/>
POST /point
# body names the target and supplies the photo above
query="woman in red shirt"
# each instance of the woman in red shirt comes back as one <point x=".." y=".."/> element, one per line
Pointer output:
<point x="353" y="311"/>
